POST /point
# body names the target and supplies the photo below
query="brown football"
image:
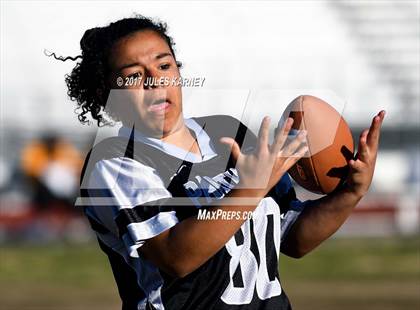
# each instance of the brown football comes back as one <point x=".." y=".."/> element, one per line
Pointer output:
<point x="330" y="144"/>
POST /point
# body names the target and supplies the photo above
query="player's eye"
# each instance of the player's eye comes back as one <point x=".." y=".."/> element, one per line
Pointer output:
<point x="165" y="66"/>
<point x="135" y="75"/>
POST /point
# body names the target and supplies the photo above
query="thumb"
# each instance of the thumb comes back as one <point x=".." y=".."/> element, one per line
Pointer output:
<point x="236" y="151"/>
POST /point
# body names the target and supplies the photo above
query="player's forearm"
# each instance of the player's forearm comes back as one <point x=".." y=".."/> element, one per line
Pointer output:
<point x="319" y="221"/>
<point x="186" y="246"/>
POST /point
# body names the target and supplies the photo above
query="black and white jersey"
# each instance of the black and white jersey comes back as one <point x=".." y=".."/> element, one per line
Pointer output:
<point x="131" y="188"/>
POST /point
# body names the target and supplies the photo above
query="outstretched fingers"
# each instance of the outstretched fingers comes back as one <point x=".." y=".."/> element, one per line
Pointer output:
<point x="281" y="136"/>
<point x="375" y="130"/>
<point x="363" y="150"/>
<point x="291" y="148"/>
<point x="294" y="158"/>
<point x="263" y="133"/>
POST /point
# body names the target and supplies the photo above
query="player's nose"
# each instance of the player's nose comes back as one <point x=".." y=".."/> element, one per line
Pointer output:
<point x="153" y="79"/>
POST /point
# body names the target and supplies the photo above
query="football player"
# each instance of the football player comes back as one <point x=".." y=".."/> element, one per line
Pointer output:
<point x="143" y="191"/>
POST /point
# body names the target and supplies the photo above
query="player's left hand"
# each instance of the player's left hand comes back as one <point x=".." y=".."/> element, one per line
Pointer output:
<point x="363" y="165"/>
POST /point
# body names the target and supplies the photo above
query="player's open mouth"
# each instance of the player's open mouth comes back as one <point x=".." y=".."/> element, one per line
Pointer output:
<point x="159" y="106"/>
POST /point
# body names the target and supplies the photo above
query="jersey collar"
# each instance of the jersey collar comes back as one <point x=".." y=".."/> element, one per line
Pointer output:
<point x="206" y="147"/>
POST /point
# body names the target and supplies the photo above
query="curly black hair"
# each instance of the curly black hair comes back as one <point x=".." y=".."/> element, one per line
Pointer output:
<point x="87" y="81"/>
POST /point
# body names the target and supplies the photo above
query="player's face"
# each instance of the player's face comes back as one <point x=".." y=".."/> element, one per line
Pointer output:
<point x="143" y="66"/>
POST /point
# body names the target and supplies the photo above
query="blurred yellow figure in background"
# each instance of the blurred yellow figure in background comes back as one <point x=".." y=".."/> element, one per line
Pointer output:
<point x="52" y="165"/>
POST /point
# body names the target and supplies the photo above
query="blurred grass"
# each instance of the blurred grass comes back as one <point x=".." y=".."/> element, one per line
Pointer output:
<point x="56" y="277"/>
<point x="341" y="274"/>
<point x="355" y="274"/>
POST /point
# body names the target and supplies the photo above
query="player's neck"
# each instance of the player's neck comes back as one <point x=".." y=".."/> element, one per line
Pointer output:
<point x="183" y="138"/>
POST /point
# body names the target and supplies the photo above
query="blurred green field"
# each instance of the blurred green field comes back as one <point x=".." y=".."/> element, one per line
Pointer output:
<point x="371" y="274"/>
<point x="341" y="274"/>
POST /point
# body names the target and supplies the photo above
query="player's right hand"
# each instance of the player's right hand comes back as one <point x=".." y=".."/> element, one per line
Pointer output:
<point x="260" y="170"/>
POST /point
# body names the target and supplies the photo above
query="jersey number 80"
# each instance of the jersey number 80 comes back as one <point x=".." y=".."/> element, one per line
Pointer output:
<point x="254" y="275"/>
